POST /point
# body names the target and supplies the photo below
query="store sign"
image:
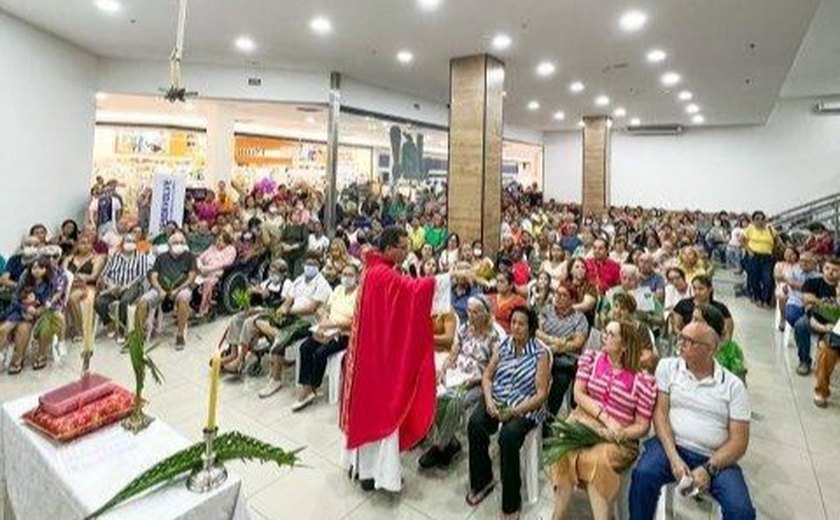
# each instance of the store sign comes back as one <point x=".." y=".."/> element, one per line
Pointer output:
<point x="167" y="202"/>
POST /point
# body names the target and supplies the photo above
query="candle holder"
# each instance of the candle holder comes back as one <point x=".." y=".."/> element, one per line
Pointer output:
<point x="212" y="473"/>
<point x="86" y="355"/>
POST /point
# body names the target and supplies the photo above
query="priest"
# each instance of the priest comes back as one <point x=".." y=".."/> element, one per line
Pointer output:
<point x="388" y="403"/>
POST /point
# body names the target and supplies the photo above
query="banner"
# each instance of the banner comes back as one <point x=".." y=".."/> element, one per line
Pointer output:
<point x="167" y="202"/>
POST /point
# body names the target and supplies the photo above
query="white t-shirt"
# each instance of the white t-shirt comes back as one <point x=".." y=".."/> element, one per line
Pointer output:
<point x="736" y="236"/>
<point x="304" y="293"/>
<point x="673" y="296"/>
<point x="701" y="410"/>
<point x="318" y="245"/>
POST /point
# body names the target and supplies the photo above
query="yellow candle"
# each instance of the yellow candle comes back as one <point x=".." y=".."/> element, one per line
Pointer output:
<point x="214" y="390"/>
<point x="87" y="322"/>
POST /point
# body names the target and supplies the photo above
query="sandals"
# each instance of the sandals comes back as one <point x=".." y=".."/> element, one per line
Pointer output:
<point x="474" y="498"/>
<point x="15" y="368"/>
<point x="39" y="363"/>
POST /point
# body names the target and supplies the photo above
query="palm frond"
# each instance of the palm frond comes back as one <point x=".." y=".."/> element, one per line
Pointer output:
<point x="242" y="299"/>
<point x="229" y="446"/>
<point x="567" y="437"/>
<point x="47" y="325"/>
<point x="157" y="375"/>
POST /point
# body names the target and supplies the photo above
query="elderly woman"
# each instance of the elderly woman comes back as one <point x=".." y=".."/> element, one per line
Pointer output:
<point x="86" y="266"/>
<point x="459" y="381"/>
<point x="331" y="335"/>
<point x="31" y="299"/>
<point x="616" y="398"/>
<point x="211" y="264"/>
<point x="515" y="386"/>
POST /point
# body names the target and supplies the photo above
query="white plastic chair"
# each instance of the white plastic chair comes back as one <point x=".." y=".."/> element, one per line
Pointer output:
<point x="334" y="376"/>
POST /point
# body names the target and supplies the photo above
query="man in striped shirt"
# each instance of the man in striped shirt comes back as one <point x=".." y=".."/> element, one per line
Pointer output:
<point x="123" y="280"/>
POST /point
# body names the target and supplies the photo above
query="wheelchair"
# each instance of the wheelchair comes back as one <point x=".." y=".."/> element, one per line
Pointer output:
<point x="235" y="278"/>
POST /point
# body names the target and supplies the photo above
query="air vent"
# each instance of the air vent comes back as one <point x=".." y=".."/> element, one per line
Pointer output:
<point x="254" y="82"/>
<point x="827" y="107"/>
<point x="309" y="110"/>
<point x="655" y="130"/>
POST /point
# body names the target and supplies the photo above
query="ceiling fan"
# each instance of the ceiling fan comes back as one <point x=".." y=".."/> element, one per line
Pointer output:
<point x="176" y="92"/>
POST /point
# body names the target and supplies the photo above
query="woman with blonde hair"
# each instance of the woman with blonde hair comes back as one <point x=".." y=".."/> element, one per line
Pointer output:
<point x="615" y="397"/>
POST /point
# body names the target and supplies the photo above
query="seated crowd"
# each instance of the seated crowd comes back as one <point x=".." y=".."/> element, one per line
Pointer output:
<point x="609" y="321"/>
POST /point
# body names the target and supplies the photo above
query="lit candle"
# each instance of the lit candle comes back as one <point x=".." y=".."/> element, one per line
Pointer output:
<point x="87" y="322"/>
<point x="213" y="402"/>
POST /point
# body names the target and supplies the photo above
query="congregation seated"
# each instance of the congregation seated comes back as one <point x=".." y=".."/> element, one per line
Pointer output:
<point x="330" y="336"/>
<point x="601" y="271"/>
<point x="505" y="300"/>
<point x="828" y="351"/>
<point x="123" y="281"/>
<point x="615" y="397"/>
<point x="586" y="294"/>
<point x="459" y="381"/>
<point x="564" y="331"/>
<point x="677" y="288"/>
<point x="650" y="278"/>
<point x="17" y="263"/>
<point x="171" y="280"/>
<point x="540" y="292"/>
<point x="814" y="290"/>
<point x="293" y="320"/>
<point x="556" y="265"/>
<point x="462" y="290"/>
<point x="515" y="386"/>
<point x="702" y="422"/>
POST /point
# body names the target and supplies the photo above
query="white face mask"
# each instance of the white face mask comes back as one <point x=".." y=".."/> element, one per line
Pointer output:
<point x="129" y="247"/>
<point x="161" y="249"/>
<point x="349" y="282"/>
<point x="309" y="271"/>
<point x="477" y="253"/>
<point x="179" y="249"/>
<point x="29" y="251"/>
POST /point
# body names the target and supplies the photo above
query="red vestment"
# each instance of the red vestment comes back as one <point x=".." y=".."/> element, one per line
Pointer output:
<point x="389" y="371"/>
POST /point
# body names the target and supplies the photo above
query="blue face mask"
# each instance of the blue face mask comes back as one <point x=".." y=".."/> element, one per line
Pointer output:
<point x="309" y="271"/>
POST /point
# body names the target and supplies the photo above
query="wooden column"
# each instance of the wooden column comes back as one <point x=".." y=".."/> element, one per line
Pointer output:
<point x="596" y="164"/>
<point x="475" y="148"/>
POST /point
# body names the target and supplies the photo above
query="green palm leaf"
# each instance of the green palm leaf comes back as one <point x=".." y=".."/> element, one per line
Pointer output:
<point x="242" y="299"/>
<point x="567" y="437"/>
<point x="47" y="325"/>
<point x="229" y="446"/>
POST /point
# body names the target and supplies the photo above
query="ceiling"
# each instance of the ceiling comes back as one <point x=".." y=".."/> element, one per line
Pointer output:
<point x="816" y="71"/>
<point x="734" y="55"/>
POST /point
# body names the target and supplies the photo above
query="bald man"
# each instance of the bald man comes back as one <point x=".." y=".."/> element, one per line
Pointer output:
<point x="702" y="421"/>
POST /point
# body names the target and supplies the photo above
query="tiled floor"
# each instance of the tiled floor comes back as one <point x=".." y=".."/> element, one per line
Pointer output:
<point x="793" y="463"/>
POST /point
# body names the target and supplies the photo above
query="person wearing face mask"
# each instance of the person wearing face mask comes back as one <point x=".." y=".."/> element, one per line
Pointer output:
<point x="482" y="265"/>
<point x="18" y="263"/>
<point x="293" y="319"/>
<point x="211" y="265"/>
<point x="171" y="278"/>
<point x="331" y="335"/>
<point x="266" y="295"/>
<point x="122" y="281"/>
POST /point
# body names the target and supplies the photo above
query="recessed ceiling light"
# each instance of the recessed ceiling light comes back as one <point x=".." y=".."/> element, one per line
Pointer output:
<point x="559" y="115"/>
<point x="670" y="79"/>
<point x="685" y="95"/>
<point x="108" y="6"/>
<point x="635" y="121"/>
<point x="245" y="44"/>
<point x="633" y="20"/>
<point x="428" y="5"/>
<point x="310" y="120"/>
<point x="619" y="112"/>
<point x="320" y="25"/>
<point x="656" y="55"/>
<point x="533" y="105"/>
<point x="692" y="108"/>
<point x="405" y="57"/>
<point x="546" y="68"/>
<point x="602" y="101"/>
<point x="576" y="87"/>
<point x="101" y="96"/>
<point x="501" y="42"/>
<point x="698" y="119"/>
<point x="582" y="123"/>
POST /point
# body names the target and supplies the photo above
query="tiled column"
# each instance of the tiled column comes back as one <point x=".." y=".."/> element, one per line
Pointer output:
<point x="596" y="164"/>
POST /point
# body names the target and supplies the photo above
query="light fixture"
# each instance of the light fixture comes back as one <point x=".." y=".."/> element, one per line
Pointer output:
<point x="320" y="25"/>
<point x="428" y="5"/>
<point x="108" y="6"/>
<point x="576" y="87"/>
<point x="559" y="115"/>
<point x="545" y="69"/>
<point x="609" y="123"/>
<point x="582" y="123"/>
<point x="602" y="101"/>
<point x="245" y="44"/>
<point x="685" y="95"/>
<point x="656" y="55"/>
<point x="504" y="93"/>
<point x="632" y="21"/>
<point x="101" y="96"/>
<point x="310" y="120"/>
<point x="670" y="79"/>
<point x="533" y="105"/>
<point x="635" y="121"/>
<point x="692" y="108"/>
<point x="501" y="42"/>
<point x="698" y="119"/>
<point x="619" y="112"/>
<point x="405" y="57"/>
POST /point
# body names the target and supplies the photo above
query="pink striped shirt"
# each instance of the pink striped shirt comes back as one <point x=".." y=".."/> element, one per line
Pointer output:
<point x="622" y="393"/>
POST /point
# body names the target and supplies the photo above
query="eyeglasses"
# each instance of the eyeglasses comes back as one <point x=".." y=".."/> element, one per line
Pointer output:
<point x="682" y="339"/>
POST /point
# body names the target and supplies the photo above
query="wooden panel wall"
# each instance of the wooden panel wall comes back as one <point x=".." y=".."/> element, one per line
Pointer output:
<point x="475" y="148"/>
<point x="596" y="164"/>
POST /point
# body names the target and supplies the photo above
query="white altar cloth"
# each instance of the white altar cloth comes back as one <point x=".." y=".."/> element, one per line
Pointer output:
<point x="45" y="480"/>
